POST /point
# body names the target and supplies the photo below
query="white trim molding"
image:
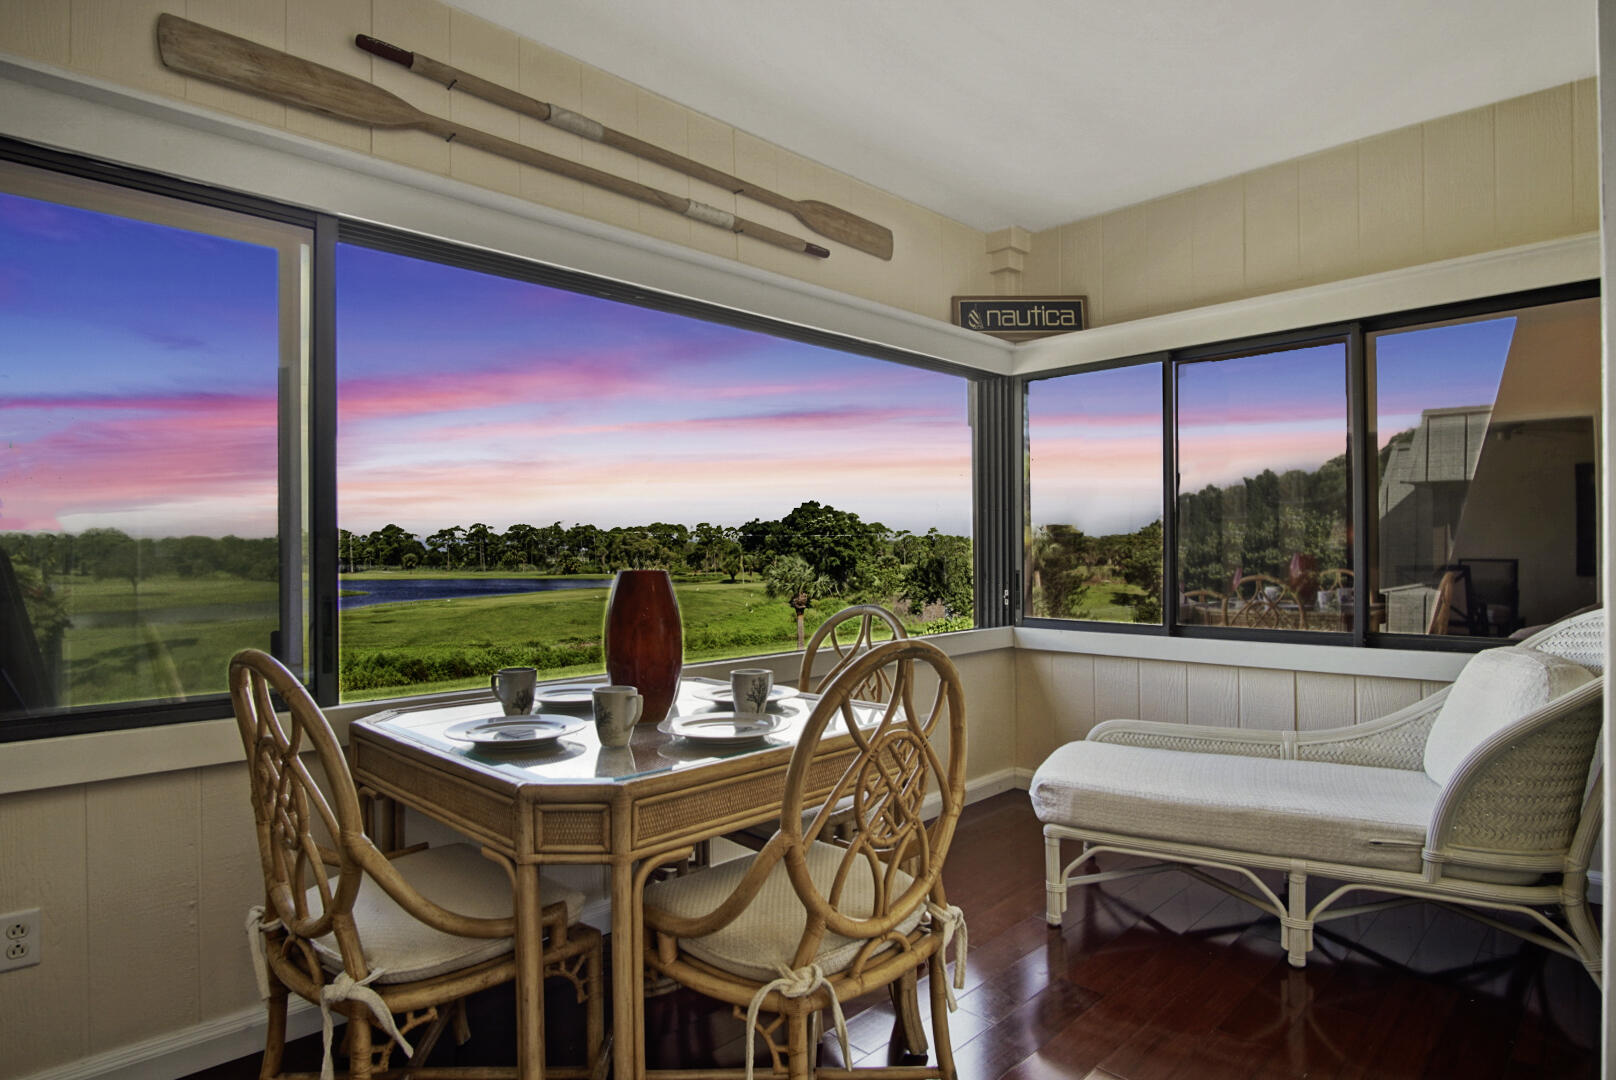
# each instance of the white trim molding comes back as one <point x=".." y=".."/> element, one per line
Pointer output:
<point x="189" y="1049"/>
<point x="1468" y="277"/>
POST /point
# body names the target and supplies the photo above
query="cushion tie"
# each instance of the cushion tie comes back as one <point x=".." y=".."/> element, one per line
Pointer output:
<point x="794" y="984"/>
<point x="256" y="929"/>
<point x="346" y="988"/>
<point x="951" y="918"/>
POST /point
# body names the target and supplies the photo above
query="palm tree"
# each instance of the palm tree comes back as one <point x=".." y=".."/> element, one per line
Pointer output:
<point x="790" y="576"/>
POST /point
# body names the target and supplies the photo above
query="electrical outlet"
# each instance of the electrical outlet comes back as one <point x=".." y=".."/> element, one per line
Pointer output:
<point x="20" y="943"/>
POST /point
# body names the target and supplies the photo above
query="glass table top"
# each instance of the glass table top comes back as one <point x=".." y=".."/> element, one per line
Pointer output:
<point x="579" y="757"/>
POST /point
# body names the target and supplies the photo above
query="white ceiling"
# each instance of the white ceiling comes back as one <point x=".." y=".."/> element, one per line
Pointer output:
<point x="1039" y="112"/>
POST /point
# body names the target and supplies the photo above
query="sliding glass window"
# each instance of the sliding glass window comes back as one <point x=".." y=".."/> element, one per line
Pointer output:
<point x="1093" y="546"/>
<point x="1263" y="494"/>
<point x="505" y="445"/>
<point x="151" y="480"/>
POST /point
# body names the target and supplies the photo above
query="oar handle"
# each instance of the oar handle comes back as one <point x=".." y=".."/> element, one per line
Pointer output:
<point x="698" y="211"/>
<point x="452" y="78"/>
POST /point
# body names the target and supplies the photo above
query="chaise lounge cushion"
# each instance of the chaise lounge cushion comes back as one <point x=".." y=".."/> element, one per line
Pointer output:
<point x="1295" y="809"/>
<point x="1495" y="689"/>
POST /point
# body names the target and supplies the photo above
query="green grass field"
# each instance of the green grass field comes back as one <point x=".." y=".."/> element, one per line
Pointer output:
<point x="429" y="645"/>
<point x="174" y="637"/>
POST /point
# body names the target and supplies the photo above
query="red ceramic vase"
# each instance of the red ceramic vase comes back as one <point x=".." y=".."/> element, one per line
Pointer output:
<point x="644" y="640"/>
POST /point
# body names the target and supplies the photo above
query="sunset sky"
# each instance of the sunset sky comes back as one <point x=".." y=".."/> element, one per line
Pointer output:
<point x="1096" y="437"/>
<point x="465" y="397"/>
<point x="139" y="372"/>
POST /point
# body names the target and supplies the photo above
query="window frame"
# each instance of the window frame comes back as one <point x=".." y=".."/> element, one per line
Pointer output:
<point x="1360" y="462"/>
<point x="986" y="403"/>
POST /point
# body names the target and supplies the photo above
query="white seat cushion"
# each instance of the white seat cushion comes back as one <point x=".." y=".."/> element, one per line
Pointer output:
<point x="1318" y="810"/>
<point x="765" y="936"/>
<point x="454" y="876"/>
<point x="1495" y="689"/>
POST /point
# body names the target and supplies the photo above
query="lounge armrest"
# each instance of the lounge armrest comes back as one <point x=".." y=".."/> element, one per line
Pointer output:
<point x="1396" y="741"/>
<point x="1516" y="800"/>
<point x="1194" y="738"/>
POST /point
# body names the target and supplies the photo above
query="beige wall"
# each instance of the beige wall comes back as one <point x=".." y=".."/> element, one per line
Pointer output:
<point x="1513" y="173"/>
<point x="934" y="257"/>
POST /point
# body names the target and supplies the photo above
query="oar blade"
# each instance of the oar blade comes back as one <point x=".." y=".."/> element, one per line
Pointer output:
<point x="201" y="51"/>
<point x="834" y="223"/>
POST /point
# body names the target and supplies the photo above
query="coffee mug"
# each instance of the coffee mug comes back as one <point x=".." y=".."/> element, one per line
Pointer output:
<point x="514" y="686"/>
<point x="617" y="710"/>
<point x="749" y="689"/>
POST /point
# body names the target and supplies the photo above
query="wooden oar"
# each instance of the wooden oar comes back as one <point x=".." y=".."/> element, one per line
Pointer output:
<point x="826" y="220"/>
<point x="193" y="49"/>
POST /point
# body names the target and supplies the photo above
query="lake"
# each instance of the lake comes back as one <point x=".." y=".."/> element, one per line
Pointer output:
<point x="404" y="590"/>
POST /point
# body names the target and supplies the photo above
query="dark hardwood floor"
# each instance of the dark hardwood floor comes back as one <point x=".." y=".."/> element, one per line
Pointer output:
<point x="1162" y="976"/>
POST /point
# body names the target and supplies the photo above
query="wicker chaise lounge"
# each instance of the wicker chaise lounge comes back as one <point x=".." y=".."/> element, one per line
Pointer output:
<point x="1479" y="795"/>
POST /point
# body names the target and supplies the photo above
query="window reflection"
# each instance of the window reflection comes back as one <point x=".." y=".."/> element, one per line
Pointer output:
<point x="1485" y="431"/>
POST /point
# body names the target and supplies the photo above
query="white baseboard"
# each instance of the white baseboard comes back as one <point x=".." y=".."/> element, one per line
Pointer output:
<point x="188" y="1050"/>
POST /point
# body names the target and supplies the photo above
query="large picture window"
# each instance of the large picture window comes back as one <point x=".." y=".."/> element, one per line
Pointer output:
<point x="504" y="446"/>
<point x="150" y="508"/>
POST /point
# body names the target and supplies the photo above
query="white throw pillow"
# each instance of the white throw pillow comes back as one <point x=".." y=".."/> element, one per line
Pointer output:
<point x="1495" y="689"/>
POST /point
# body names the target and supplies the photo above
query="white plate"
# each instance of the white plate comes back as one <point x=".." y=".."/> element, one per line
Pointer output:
<point x="567" y="695"/>
<point x="722" y="728"/>
<point x="721" y="693"/>
<point x="512" y="732"/>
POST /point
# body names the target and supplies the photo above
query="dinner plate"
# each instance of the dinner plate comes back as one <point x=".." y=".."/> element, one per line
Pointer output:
<point x="721" y="693"/>
<point x="567" y="695"/>
<point x="722" y="728"/>
<point x="512" y="732"/>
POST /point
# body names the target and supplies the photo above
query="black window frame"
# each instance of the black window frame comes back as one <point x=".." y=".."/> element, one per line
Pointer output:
<point x="988" y="404"/>
<point x="1361" y="466"/>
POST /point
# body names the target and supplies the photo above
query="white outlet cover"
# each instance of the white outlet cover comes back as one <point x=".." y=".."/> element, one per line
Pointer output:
<point x="20" y="939"/>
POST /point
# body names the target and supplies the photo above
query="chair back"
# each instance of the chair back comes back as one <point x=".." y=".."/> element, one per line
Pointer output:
<point x="892" y="855"/>
<point x="287" y="803"/>
<point x="877" y="685"/>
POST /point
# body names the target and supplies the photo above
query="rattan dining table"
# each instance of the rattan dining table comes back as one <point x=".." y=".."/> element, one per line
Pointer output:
<point x="577" y="801"/>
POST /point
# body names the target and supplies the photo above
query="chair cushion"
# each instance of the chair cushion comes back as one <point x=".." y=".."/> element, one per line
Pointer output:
<point x="765" y="936"/>
<point x="454" y="876"/>
<point x="1295" y="809"/>
<point x="1495" y="689"/>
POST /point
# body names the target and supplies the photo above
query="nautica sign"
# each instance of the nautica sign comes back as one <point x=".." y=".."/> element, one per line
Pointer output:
<point x="1019" y="318"/>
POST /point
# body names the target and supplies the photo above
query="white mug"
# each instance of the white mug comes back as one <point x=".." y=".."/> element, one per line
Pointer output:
<point x="749" y="689"/>
<point x="514" y="687"/>
<point x="617" y="710"/>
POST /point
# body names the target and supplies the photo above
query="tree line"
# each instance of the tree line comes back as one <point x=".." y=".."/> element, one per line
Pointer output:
<point x="814" y="551"/>
<point x="113" y="553"/>
<point x="1257" y="525"/>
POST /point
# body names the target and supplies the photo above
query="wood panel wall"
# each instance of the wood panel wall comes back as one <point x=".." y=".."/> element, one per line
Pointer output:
<point x="1060" y="696"/>
<point x="1511" y="173"/>
<point x="934" y="257"/>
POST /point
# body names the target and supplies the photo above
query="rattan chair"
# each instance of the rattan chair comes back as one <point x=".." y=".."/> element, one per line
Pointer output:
<point x="348" y="928"/>
<point x="1265" y="602"/>
<point x="877" y="686"/>
<point x="804" y="925"/>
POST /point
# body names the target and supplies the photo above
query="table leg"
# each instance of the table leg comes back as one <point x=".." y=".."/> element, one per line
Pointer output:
<point x="529" y="974"/>
<point x="627" y="978"/>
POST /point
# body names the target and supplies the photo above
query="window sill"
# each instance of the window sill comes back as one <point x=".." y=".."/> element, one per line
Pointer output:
<point x="37" y="764"/>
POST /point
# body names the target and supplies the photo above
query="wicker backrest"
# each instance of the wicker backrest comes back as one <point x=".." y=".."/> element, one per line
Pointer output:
<point x="895" y="766"/>
<point x="1580" y="639"/>
<point x="287" y="803"/>
<point x="877" y="685"/>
